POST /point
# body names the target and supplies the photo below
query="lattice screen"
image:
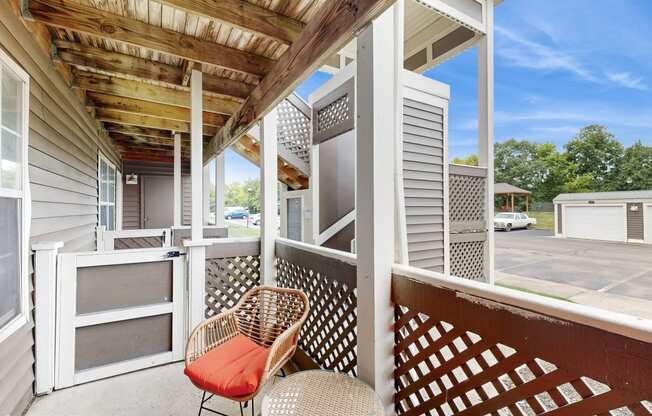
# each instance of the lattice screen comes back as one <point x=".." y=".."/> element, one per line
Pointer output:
<point x="227" y="279"/>
<point x="335" y="113"/>
<point x="467" y="255"/>
<point x="294" y="130"/>
<point x="447" y="369"/>
<point x="329" y="335"/>
<point x="467" y="202"/>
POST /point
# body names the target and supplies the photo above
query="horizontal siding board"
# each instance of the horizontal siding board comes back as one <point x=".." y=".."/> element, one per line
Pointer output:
<point x="436" y="141"/>
<point x="425" y="219"/>
<point x="45" y="178"/>
<point x="422" y="184"/>
<point x="422" y="158"/>
<point x="424" y="228"/>
<point x="423" y="202"/>
<point x="423" y="148"/>
<point x="39" y="142"/>
<point x="422" y="131"/>
<point x="424" y="193"/>
<point x="42" y="225"/>
<point x="45" y="161"/>
<point x="425" y="176"/>
<point x="422" y="114"/>
<point x="423" y="237"/>
<point x="433" y="254"/>
<point x="407" y="102"/>
<point x="49" y="194"/>
<point x="409" y="165"/>
<point x="55" y="209"/>
<point x="425" y="245"/>
<point x="435" y="124"/>
<point x="413" y="211"/>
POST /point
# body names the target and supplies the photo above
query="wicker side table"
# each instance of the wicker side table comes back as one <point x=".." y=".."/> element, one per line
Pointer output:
<point x="321" y="393"/>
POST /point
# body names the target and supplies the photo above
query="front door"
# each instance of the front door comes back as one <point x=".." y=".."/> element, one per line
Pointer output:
<point x="158" y="201"/>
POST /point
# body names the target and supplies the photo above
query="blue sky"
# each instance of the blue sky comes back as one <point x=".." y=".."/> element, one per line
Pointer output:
<point x="559" y="65"/>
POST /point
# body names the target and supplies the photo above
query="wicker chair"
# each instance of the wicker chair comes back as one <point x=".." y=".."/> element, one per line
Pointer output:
<point x="271" y="317"/>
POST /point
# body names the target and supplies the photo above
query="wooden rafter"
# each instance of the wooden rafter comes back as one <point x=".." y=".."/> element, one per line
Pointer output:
<point x="69" y="15"/>
<point x="246" y="16"/>
<point x="145" y="91"/>
<point x="248" y="148"/>
<point x="81" y="56"/>
<point x="131" y="119"/>
<point x="147" y="108"/>
<point x="326" y="33"/>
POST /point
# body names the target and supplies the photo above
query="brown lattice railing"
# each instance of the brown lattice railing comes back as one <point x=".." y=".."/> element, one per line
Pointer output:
<point x="464" y="348"/>
<point x="232" y="268"/>
<point x="328" y="277"/>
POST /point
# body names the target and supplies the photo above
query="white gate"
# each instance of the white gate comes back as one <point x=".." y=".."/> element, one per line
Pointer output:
<point x="118" y="312"/>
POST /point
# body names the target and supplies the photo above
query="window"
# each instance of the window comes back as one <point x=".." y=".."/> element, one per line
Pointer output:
<point x="14" y="98"/>
<point x="106" y="173"/>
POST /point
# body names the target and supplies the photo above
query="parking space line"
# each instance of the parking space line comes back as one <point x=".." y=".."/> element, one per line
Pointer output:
<point x="625" y="280"/>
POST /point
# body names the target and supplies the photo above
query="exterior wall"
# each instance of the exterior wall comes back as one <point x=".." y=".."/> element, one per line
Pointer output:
<point x="63" y="146"/>
<point x="635" y="226"/>
<point x="130" y="206"/>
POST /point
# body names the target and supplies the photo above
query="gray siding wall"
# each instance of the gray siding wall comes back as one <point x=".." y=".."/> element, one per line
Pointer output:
<point x="186" y="200"/>
<point x="635" y="226"/>
<point x="130" y="206"/>
<point x="560" y="220"/>
<point x="423" y="184"/>
<point x="63" y="144"/>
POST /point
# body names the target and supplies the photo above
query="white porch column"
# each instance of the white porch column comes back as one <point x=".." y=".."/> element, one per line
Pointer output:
<point x="45" y="285"/>
<point x="486" y="130"/>
<point x="268" y="190"/>
<point x="206" y="206"/>
<point x="375" y="202"/>
<point x="118" y="200"/>
<point x="177" y="179"/>
<point x="220" y="171"/>
<point x="197" y="245"/>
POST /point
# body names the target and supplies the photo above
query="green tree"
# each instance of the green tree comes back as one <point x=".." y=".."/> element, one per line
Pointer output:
<point x="596" y="152"/>
<point x="635" y="170"/>
<point x="243" y="194"/>
<point x="514" y="163"/>
<point x="470" y="160"/>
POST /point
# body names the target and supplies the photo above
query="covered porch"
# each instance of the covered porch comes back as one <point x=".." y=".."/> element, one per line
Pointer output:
<point x="410" y="310"/>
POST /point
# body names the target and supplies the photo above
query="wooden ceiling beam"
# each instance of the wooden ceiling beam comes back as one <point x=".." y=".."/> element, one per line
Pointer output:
<point x="70" y="15"/>
<point x="245" y="16"/>
<point x="327" y="32"/>
<point x="248" y="148"/>
<point x="81" y="56"/>
<point x="148" y="92"/>
<point x="130" y="119"/>
<point x="147" y="108"/>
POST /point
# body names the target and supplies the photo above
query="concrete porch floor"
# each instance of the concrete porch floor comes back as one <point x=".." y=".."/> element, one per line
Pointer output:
<point x="163" y="390"/>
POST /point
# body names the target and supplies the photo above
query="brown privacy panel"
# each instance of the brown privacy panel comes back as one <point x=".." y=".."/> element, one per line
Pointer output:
<point x="102" y="288"/>
<point x="329" y="336"/>
<point x="137" y="242"/>
<point x="113" y="342"/>
<point x="342" y="239"/>
<point x="460" y="354"/>
<point x="635" y="224"/>
<point x="336" y="187"/>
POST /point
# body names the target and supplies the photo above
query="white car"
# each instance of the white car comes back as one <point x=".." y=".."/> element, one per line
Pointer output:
<point x="510" y="220"/>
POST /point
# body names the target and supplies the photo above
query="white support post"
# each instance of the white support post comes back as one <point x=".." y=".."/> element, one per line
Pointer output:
<point x="45" y="284"/>
<point x="268" y="190"/>
<point x="177" y="179"/>
<point x="206" y="189"/>
<point x="197" y="245"/>
<point x="375" y="201"/>
<point x="486" y="130"/>
<point x="220" y="172"/>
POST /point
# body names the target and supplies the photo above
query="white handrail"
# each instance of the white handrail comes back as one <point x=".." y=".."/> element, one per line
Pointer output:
<point x="322" y="251"/>
<point x="617" y="323"/>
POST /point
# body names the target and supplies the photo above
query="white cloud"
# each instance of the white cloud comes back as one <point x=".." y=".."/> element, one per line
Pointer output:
<point x="627" y="80"/>
<point x="525" y="53"/>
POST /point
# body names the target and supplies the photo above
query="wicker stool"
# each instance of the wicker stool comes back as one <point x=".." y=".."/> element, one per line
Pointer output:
<point x="321" y="393"/>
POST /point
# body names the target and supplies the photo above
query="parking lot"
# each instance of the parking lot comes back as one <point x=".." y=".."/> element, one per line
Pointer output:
<point x="612" y="275"/>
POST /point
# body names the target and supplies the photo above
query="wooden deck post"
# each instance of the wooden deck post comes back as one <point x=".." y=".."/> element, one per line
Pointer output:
<point x="269" y="194"/>
<point x="196" y="245"/>
<point x="177" y="179"/>
<point x="220" y="171"/>
<point x="376" y="92"/>
<point x="486" y="130"/>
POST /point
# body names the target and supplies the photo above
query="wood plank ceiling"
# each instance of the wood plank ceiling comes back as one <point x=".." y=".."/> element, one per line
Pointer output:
<point x="130" y="60"/>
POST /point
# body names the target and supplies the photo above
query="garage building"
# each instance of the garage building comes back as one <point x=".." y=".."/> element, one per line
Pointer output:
<point x="610" y="216"/>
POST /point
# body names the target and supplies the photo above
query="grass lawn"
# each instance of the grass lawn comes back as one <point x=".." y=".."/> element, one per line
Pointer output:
<point x="237" y="230"/>
<point x="545" y="220"/>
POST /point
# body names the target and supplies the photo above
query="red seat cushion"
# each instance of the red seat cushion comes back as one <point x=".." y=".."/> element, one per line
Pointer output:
<point x="232" y="369"/>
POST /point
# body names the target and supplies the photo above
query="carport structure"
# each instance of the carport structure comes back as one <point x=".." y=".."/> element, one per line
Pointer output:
<point x="509" y="192"/>
<point x="427" y="342"/>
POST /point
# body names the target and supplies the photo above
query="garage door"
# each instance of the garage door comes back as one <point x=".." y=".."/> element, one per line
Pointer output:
<point x="647" y="227"/>
<point x="595" y="222"/>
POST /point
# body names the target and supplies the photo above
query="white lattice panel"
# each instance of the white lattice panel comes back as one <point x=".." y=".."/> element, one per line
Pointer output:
<point x="333" y="114"/>
<point x="467" y="202"/>
<point x="294" y="130"/>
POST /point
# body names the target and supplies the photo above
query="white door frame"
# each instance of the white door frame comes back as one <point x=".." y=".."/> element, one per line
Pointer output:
<point x="67" y="319"/>
<point x="647" y="219"/>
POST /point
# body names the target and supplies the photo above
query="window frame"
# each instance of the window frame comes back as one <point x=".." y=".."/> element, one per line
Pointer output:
<point x="103" y="159"/>
<point x="7" y="63"/>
